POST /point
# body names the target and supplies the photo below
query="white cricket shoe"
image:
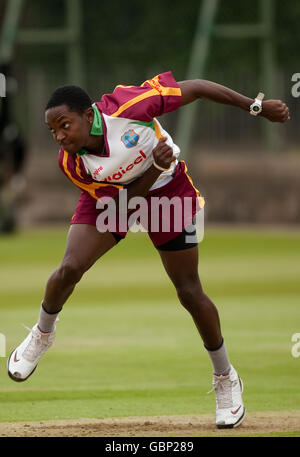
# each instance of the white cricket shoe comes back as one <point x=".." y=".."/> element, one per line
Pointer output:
<point x="23" y="360"/>
<point x="230" y="410"/>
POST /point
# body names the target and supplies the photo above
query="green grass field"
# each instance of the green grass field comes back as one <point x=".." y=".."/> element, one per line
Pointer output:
<point x="124" y="344"/>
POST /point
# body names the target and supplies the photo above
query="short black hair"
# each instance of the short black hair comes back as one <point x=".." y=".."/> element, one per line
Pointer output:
<point x="74" y="97"/>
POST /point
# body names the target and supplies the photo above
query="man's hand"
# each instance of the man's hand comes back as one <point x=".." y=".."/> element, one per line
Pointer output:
<point x="275" y="111"/>
<point x="163" y="154"/>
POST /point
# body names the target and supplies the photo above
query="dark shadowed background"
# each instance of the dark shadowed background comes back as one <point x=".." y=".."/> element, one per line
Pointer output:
<point x="247" y="170"/>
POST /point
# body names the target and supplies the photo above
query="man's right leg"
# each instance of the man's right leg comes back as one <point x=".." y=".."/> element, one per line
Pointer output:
<point x="85" y="245"/>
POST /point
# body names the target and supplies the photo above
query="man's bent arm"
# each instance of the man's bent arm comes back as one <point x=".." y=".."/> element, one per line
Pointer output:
<point x="163" y="157"/>
<point x="140" y="186"/>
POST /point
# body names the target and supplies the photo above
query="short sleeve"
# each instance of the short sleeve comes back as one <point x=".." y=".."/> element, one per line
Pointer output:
<point x="153" y="98"/>
<point x="71" y="165"/>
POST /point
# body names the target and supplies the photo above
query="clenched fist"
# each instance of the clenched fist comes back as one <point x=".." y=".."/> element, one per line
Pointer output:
<point x="275" y="111"/>
<point x="163" y="154"/>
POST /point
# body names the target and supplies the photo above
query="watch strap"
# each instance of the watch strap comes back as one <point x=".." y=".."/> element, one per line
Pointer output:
<point x="260" y="96"/>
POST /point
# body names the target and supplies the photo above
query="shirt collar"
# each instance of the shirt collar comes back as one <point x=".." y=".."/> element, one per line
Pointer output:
<point x="96" y="129"/>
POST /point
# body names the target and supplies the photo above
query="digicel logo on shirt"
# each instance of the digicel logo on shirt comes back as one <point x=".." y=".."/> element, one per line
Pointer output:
<point x="118" y="175"/>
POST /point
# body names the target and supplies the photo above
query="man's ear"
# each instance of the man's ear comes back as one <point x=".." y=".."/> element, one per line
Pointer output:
<point x="89" y="113"/>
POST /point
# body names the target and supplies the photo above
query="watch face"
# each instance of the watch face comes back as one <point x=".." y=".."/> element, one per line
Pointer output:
<point x="256" y="108"/>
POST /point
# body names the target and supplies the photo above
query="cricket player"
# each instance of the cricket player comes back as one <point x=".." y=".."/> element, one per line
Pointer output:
<point x="118" y="144"/>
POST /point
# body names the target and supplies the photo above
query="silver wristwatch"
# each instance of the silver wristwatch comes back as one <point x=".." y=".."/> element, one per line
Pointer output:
<point x="256" y="106"/>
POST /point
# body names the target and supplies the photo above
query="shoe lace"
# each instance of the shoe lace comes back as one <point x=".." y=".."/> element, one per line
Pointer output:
<point x="223" y="390"/>
<point x="37" y="345"/>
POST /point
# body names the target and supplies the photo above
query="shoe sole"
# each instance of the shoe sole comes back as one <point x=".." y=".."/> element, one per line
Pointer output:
<point x="242" y="416"/>
<point x="14" y="378"/>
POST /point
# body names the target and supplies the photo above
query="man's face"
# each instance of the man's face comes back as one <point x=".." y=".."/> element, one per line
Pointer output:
<point x="70" y="129"/>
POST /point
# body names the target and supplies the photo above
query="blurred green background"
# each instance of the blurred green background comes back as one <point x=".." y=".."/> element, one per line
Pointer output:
<point x="116" y="43"/>
<point x="129" y="43"/>
<point x="124" y="344"/>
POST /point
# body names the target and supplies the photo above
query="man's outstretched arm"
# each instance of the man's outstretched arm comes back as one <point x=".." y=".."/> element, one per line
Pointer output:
<point x="273" y="110"/>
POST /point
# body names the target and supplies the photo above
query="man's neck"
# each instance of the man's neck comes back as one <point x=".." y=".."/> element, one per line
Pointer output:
<point x="95" y="145"/>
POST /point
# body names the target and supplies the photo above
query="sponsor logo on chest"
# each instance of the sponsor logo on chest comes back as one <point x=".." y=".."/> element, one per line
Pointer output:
<point x="125" y="169"/>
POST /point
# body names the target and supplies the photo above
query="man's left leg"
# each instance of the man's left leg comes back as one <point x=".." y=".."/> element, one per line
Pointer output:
<point x="182" y="268"/>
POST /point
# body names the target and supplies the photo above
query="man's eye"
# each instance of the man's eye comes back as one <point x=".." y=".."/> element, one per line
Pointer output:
<point x="66" y="125"/>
